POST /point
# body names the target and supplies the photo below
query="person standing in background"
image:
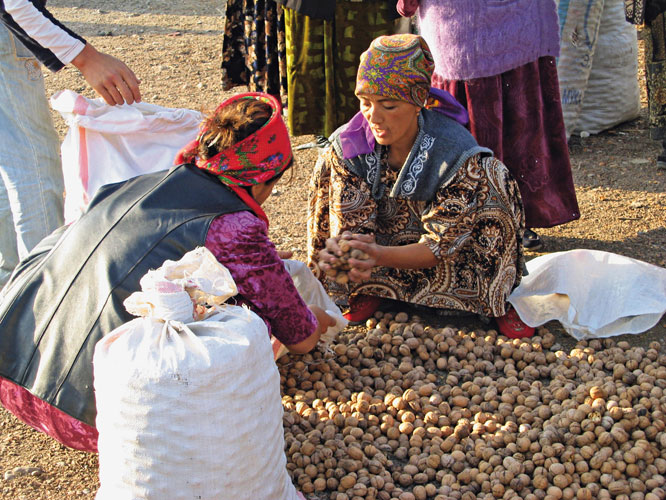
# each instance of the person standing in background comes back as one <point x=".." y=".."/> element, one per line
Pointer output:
<point x="253" y="48"/>
<point x="651" y="15"/>
<point x="325" y="40"/>
<point x="498" y="60"/>
<point x="31" y="192"/>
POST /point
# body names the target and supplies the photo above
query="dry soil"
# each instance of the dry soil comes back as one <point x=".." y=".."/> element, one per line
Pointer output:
<point x="175" y="47"/>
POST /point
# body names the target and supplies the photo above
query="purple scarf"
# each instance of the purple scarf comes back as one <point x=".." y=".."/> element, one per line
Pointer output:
<point x="357" y="139"/>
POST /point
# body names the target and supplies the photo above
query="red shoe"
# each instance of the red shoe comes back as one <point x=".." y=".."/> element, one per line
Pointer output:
<point x="361" y="307"/>
<point x="512" y="326"/>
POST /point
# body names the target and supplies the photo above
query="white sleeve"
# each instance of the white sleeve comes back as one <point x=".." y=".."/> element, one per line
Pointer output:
<point x="43" y="31"/>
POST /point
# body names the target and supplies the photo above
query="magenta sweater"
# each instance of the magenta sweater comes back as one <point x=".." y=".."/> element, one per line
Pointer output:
<point x="477" y="38"/>
<point x="239" y="240"/>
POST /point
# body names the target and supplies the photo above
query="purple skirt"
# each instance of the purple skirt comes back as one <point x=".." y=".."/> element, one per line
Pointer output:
<point x="518" y="115"/>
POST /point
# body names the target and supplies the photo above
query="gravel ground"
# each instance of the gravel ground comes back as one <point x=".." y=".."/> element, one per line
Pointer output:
<point x="174" y="47"/>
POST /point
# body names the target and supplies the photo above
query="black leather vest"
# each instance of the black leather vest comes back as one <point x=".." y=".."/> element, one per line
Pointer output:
<point x="69" y="292"/>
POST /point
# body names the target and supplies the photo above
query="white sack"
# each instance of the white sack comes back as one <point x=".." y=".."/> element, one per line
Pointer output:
<point x="612" y="95"/>
<point x="579" y="27"/>
<point x="598" y="65"/>
<point x="592" y="293"/>
<point x="189" y="409"/>
<point x="107" y="144"/>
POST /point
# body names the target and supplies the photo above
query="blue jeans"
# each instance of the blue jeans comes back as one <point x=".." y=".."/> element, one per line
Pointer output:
<point x="31" y="191"/>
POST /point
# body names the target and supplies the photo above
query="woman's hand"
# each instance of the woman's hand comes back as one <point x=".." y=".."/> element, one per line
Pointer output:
<point x="324" y="321"/>
<point x="412" y="256"/>
<point x="358" y="269"/>
<point x="285" y="254"/>
<point x="110" y="77"/>
<point x="354" y="263"/>
<point x="331" y="252"/>
<point x="361" y="269"/>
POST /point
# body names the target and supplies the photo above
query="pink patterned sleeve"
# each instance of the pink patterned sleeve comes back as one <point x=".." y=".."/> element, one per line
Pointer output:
<point x="407" y="8"/>
<point x="240" y="241"/>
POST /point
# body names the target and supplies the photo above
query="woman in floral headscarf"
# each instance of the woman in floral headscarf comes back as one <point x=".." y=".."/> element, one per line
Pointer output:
<point x="439" y="216"/>
<point x="70" y="291"/>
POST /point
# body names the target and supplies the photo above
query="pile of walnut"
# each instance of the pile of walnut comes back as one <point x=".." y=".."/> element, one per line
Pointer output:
<point x="340" y="267"/>
<point x="402" y="411"/>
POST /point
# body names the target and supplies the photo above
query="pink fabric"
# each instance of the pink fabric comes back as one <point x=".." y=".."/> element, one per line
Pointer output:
<point x="240" y="241"/>
<point x="80" y="108"/>
<point x="407" y="8"/>
<point x="42" y="416"/>
<point x="518" y="115"/>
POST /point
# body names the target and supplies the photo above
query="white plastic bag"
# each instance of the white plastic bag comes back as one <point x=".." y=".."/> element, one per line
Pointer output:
<point x="168" y="292"/>
<point x="107" y="144"/>
<point x="313" y="293"/>
<point x="592" y="293"/>
<point x="189" y="409"/>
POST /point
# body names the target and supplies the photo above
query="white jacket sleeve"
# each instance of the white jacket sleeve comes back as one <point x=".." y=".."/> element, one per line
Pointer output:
<point x="43" y="30"/>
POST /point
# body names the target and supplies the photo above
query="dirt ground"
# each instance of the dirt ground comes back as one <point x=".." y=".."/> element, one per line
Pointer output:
<point x="174" y="47"/>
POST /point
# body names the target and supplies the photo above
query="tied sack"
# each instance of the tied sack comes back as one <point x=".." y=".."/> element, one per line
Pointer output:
<point x="188" y="400"/>
<point x="598" y="66"/>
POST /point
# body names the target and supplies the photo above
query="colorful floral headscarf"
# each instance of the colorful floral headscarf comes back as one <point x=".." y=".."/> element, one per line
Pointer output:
<point x="398" y="67"/>
<point x="256" y="159"/>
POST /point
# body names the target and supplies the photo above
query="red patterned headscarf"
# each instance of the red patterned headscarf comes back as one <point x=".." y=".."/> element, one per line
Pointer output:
<point x="258" y="158"/>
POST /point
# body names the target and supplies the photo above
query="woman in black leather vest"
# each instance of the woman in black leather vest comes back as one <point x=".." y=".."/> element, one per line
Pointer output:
<point x="70" y="291"/>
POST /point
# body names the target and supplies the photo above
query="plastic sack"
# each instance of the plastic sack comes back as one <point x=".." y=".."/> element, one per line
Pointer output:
<point x="313" y="293"/>
<point x="189" y="409"/>
<point x="107" y="144"/>
<point x="168" y="292"/>
<point x="612" y="95"/>
<point x="592" y="293"/>
<point x="579" y="28"/>
<point x="598" y="65"/>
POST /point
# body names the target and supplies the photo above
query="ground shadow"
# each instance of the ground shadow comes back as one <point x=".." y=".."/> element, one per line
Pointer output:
<point x="654" y="240"/>
<point x="181" y="8"/>
<point x="116" y="29"/>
